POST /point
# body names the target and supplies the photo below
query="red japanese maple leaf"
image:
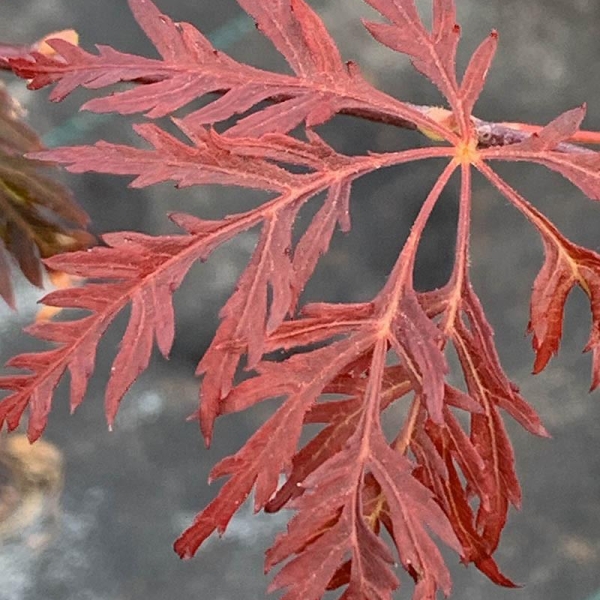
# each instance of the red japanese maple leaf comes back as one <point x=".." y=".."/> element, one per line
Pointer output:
<point x="434" y="479"/>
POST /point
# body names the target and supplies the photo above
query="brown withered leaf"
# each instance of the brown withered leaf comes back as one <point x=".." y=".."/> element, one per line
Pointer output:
<point x="38" y="216"/>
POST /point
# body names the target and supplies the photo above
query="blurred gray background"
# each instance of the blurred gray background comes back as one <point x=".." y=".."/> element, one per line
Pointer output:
<point x="129" y="493"/>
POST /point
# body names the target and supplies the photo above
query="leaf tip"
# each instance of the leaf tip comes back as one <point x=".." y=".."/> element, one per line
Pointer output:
<point x="541" y="431"/>
<point x="595" y="382"/>
<point x="9" y="298"/>
<point x="182" y="549"/>
<point x="33" y="435"/>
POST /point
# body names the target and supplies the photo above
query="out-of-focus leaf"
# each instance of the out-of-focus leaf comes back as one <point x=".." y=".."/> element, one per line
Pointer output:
<point x="38" y="216"/>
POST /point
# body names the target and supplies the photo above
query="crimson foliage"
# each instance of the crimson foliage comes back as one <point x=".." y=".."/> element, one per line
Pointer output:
<point x="350" y="482"/>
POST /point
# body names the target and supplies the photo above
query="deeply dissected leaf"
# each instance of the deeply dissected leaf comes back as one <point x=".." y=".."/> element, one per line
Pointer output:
<point x="579" y="165"/>
<point x="433" y="477"/>
<point x="302" y="385"/>
<point x="191" y="67"/>
<point x="433" y="52"/>
<point x="566" y="265"/>
<point x="331" y="505"/>
<point x="136" y="269"/>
